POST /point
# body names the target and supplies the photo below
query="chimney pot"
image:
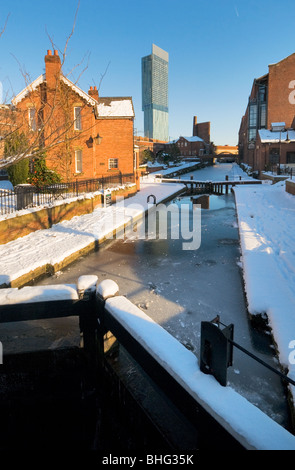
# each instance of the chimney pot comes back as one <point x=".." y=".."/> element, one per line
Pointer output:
<point x="95" y="88"/>
<point x="91" y="88"/>
<point x="56" y="52"/>
<point x="49" y="52"/>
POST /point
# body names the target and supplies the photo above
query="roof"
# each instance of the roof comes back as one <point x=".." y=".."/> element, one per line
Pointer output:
<point x="31" y="87"/>
<point x="34" y="85"/>
<point x="105" y="107"/>
<point x="267" y="136"/>
<point x="192" y="139"/>
<point x="115" y="107"/>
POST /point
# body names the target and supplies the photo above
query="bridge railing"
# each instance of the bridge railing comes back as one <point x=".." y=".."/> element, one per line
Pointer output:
<point x="222" y="419"/>
<point x="212" y="187"/>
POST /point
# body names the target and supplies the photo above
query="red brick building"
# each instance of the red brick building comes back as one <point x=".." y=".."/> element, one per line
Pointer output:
<point x="191" y="147"/>
<point x="85" y="135"/>
<point x="202" y="130"/>
<point x="145" y="143"/>
<point x="266" y="136"/>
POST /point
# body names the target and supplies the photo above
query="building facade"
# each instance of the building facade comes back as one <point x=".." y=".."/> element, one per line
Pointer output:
<point x="202" y="130"/>
<point x="84" y="135"/>
<point x="155" y="94"/>
<point x="189" y="146"/>
<point x="267" y="128"/>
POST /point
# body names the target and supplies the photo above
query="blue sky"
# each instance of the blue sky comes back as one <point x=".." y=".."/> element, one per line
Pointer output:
<point x="216" y="48"/>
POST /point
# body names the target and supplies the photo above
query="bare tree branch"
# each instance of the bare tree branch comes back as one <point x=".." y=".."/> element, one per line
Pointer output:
<point x="102" y="76"/>
<point x="5" y="24"/>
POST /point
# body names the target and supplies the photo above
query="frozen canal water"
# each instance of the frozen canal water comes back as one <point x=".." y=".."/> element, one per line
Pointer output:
<point x="179" y="289"/>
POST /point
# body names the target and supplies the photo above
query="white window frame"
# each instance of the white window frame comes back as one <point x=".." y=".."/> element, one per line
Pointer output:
<point x="32" y="119"/>
<point x="113" y="163"/>
<point x="78" y="161"/>
<point x="78" y="118"/>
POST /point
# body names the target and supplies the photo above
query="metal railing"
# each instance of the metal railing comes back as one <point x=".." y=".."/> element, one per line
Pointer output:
<point x="24" y="196"/>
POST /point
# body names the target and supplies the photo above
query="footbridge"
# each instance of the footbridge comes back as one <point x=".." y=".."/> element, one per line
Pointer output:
<point x="209" y="187"/>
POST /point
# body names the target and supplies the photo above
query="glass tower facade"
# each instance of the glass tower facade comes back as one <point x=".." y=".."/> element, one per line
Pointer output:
<point x="155" y="94"/>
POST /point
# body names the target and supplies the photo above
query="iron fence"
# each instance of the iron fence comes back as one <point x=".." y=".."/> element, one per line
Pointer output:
<point x="24" y="196"/>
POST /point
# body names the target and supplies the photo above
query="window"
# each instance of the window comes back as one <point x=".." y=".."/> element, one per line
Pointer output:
<point x="78" y="161"/>
<point x="252" y="134"/>
<point x="253" y="115"/>
<point x="32" y="119"/>
<point x="113" y="163"/>
<point x="262" y="93"/>
<point x="290" y="157"/>
<point x="77" y="117"/>
<point x="263" y="115"/>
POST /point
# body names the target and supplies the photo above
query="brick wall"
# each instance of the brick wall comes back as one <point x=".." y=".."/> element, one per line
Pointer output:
<point x="280" y="109"/>
<point x="54" y="102"/>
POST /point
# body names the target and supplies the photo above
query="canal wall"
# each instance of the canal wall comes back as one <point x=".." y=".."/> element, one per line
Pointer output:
<point x="45" y="252"/>
<point x="21" y="224"/>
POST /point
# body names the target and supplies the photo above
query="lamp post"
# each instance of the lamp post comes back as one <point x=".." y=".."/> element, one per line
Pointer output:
<point x="279" y="168"/>
<point x="287" y="141"/>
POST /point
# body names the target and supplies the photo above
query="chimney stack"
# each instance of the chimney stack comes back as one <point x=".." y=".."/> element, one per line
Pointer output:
<point x="52" y="68"/>
<point x="195" y="123"/>
<point x="93" y="92"/>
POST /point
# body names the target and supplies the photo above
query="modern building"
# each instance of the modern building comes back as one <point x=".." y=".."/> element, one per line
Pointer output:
<point x="155" y="94"/>
<point x="266" y="135"/>
<point x="84" y="135"/>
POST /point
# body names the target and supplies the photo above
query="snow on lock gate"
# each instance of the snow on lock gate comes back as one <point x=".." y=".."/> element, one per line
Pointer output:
<point x="101" y="309"/>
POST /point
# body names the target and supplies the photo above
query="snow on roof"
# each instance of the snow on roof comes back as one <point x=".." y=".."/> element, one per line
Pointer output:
<point x="80" y="92"/>
<point x="267" y="136"/>
<point x="278" y="124"/>
<point x="115" y="107"/>
<point x="34" y="85"/>
<point x="193" y="139"/>
<point x="106" y="107"/>
<point x="31" y="87"/>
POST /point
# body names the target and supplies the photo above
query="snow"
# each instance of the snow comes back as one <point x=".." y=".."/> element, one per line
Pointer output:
<point x="193" y="139"/>
<point x="86" y="283"/>
<point x="33" y="86"/>
<point x="228" y="407"/>
<point x="267" y="136"/>
<point x="49" y="201"/>
<point x="38" y="294"/>
<point x="116" y="108"/>
<point x="107" y="288"/>
<point x="181" y="166"/>
<point x="266" y="218"/>
<point x="52" y="246"/>
<point x="267" y="226"/>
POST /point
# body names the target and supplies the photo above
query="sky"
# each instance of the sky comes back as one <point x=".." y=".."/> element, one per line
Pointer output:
<point x="216" y="49"/>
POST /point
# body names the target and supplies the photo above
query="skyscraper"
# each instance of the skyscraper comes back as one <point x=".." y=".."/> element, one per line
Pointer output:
<point x="155" y="94"/>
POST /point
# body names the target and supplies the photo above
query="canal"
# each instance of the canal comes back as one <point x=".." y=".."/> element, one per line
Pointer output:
<point x="180" y="288"/>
